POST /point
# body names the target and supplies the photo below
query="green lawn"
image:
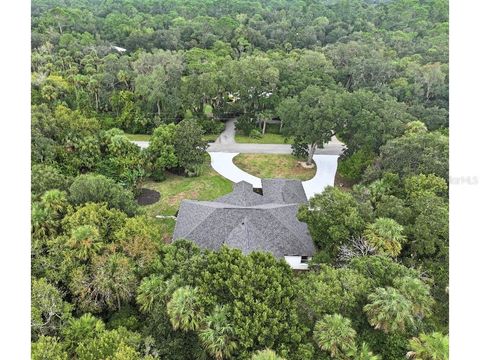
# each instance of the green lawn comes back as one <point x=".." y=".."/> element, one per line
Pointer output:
<point x="175" y="188"/>
<point x="139" y="137"/>
<point x="265" y="139"/>
<point x="272" y="136"/>
<point x="210" y="137"/>
<point x="273" y="166"/>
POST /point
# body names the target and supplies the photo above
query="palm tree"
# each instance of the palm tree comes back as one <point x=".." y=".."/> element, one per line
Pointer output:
<point x="86" y="241"/>
<point x="432" y="346"/>
<point x="334" y="334"/>
<point x="389" y="310"/>
<point x="266" y="354"/>
<point x="217" y="336"/>
<point x="184" y="309"/>
<point x="417" y="292"/>
<point x="363" y="353"/>
<point x="385" y="235"/>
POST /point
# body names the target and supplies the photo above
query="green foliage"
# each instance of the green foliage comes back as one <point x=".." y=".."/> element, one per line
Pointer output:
<point x="332" y="217"/>
<point x="47" y="177"/>
<point x="266" y="354"/>
<point x="432" y="346"/>
<point x="390" y="311"/>
<point x="99" y="189"/>
<point x="47" y="347"/>
<point x="311" y="117"/>
<point x="330" y="290"/>
<point x="189" y="146"/>
<point x="375" y="73"/>
<point x="246" y="124"/>
<point x="334" y="334"/>
<point x="217" y="335"/>
<point x="185" y="310"/>
<point x="353" y="166"/>
<point x="424" y="153"/>
<point x="299" y="148"/>
<point x="49" y="311"/>
<point x="386" y="236"/>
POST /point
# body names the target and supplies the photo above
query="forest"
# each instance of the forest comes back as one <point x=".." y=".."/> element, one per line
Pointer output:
<point x="107" y="282"/>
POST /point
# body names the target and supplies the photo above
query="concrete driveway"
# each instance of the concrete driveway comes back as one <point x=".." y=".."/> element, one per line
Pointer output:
<point x="224" y="149"/>
<point x="325" y="175"/>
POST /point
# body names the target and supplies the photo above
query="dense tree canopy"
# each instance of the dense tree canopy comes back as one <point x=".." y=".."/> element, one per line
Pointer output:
<point x="105" y="285"/>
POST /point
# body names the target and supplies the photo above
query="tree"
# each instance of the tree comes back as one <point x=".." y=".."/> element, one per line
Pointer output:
<point x="47" y="347"/>
<point x="332" y="217"/>
<point x="161" y="151"/>
<point x="389" y="311"/>
<point x="330" y="290"/>
<point x="157" y="81"/>
<point x="266" y="354"/>
<point x="364" y="120"/>
<point x="107" y="284"/>
<point x="312" y="117"/>
<point x="424" y="153"/>
<point x="217" y="335"/>
<point x="386" y="236"/>
<point x="185" y="309"/>
<point x="335" y="335"/>
<point x="432" y="346"/>
<point x="364" y="353"/>
<point x="49" y="311"/>
<point x="189" y="146"/>
<point x="98" y="188"/>
<point x="417" y="292"/>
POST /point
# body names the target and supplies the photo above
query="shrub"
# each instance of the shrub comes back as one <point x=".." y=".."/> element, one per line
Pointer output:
<point x="245" y="124"/>
<point x="211" y="126"/>
<point x="46" y="177"/>
<point x="352" y="167"/>
<point x="98" y="189"/>
<point x="255" y="134"/>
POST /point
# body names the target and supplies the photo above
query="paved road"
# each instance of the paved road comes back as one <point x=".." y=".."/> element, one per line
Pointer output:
<point x="226" y="143"/>
<point x="224" y="149"/>
<point x="325" y="175"/>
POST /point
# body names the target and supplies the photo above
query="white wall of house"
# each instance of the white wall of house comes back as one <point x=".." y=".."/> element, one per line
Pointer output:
<point x="296" y="263"/>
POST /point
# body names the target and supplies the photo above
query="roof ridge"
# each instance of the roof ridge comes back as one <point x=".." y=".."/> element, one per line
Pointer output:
<point x="293" y="231"/>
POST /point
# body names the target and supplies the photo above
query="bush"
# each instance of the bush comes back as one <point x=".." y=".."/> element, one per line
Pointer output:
<point x="245" y="124"/>
<point x="99" y="189"/>
<point x="211" y="126"/>
<point x="255" y="134"/>
<point x="353" y="166"/>
<point x="46" y="177"/>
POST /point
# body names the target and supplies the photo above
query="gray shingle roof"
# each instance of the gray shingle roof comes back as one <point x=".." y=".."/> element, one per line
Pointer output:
<point x="284" y="191"/>
<point x="248" y="221"/>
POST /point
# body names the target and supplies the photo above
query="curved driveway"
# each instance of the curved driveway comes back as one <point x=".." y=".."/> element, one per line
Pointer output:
<point x="325" y="175"/>
<point x="224" y="149"/>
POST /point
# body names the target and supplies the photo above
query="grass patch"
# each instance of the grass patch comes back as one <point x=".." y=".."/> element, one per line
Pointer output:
<point x="167" y="228"/>
<point x="273" y="166"/>
<point x="175" y="188"/>
<point x="210" y="137"/>
<point x="139" y="137"/>
<point x="268" y="138"/>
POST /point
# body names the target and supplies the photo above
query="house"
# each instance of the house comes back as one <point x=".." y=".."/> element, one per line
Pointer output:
<point x="248" y="221"/>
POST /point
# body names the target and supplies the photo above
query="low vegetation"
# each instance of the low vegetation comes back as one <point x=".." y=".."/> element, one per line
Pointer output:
<point x="273" y="166"/>
<point x="175" y="188"/>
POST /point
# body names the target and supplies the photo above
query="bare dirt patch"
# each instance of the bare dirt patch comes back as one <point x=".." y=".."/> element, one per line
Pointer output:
<point x="148" y="197"/>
